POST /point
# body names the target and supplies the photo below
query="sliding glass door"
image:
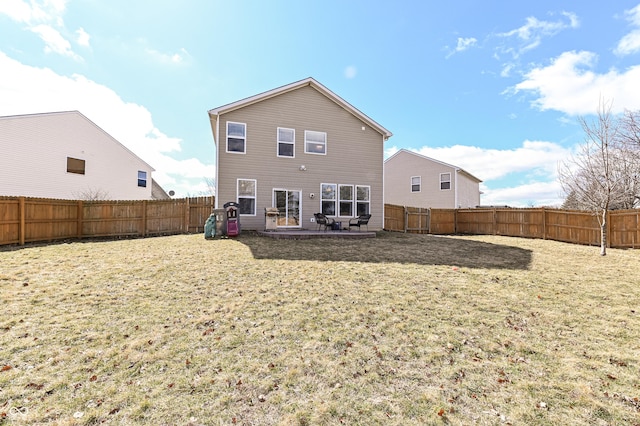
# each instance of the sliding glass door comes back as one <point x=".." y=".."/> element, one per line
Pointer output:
<point x="288" y="204"/>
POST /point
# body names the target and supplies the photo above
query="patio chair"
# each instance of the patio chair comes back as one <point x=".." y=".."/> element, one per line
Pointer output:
<point x="322" y="220"/>
<point x="359" y="221"/>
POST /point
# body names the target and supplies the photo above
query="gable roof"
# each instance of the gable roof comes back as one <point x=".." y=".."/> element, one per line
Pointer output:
<point x="293" y="86"/>
<point x="406" y="151"/>
<point x="80" y="115"/>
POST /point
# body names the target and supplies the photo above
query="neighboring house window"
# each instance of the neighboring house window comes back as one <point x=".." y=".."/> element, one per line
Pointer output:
<point x="445" y="181"/>
<point x="236" y="137"/>
<point x="315" y="142"/>
<point x="346" y="200"/>
<point x="75" y="165"/>
<point x="328" y="199"/>
<point x="247" y="196"/>
<point x="362" y="200"/>
<point x="286" y="142"/>
<point x="415" y="183"/>
<point x="142" y="179"/>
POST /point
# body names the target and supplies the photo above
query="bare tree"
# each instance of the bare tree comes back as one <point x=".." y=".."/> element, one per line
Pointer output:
<point x="92" y="194"/>
<point x="594" y="177"/>
<point x="211" y="185"/>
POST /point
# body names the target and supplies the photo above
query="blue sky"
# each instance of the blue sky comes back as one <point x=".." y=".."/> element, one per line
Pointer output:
<point x="494" y="87"/>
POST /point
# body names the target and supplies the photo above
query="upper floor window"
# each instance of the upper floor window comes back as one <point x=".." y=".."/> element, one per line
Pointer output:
<point x="142" y="179"/>
<point x="247" y="196"/>
<point x="236" y="137"/>
<point x="445" y="181"/>
<point x="75" y="165"/>
<point x="286" y="142"/>
<point x="315" y="142"/>
<point x="416" y="181"/>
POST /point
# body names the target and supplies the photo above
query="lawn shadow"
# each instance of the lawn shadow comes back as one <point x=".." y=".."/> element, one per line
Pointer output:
<point x="391" y="247"/>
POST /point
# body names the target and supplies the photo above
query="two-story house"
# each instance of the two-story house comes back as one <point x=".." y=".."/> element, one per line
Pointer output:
<point x="302" y="149"/>
<point x="412" y="179"/>
<point x="65" y="155"/>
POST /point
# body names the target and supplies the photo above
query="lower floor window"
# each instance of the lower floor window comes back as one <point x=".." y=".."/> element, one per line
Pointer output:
<point x="363" y="200"/>
<point x="247" y="196"/>
<point x="328" y="198"/>
<point x="340" y="199"/>
<point x="346" y="200"/>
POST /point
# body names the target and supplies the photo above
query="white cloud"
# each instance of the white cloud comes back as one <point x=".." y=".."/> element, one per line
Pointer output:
<point x="82" y="37"/>
<point x="536" y="158"/>
<point x="569" y="85"/>
<point x="44" y="18"/>
<point x="350" y="72"/>
<point x="54" y="42"/>
<point x="168" y="58"/>
<point x="530" y="35"/>
<point x="462" y="45"/>
<point x="535" y="194"/>
<point x="17" y="10"/>
<point x="630" y="43"/>
<point x="26" y="90"/>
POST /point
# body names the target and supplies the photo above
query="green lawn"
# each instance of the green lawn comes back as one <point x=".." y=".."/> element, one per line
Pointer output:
<point x="396" y="330"/>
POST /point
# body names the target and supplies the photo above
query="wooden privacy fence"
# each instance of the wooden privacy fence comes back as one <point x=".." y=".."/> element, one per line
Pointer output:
<point x="579" y="227"/>
<point x="24" y="219"/>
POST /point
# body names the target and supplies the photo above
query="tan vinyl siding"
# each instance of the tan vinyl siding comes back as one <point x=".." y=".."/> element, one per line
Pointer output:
<point x="468" y="192"/>
<point x="399" y="170"/>
<point x="353" y="156"/>
<point x="36" y="148"/>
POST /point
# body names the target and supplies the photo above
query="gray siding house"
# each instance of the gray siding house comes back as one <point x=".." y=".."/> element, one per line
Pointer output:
<point x="414" y="180"/>
<point x="302" y="149"/>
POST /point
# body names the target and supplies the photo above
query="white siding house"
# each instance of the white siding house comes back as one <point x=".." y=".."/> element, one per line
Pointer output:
<point x="414" y="180"/>
<point x="65" y="155"/>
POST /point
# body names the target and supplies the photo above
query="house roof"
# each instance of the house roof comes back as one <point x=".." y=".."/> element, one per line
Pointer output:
<point x="293" y="86"/>
<point x="79" y="114"/>
<point x="406" y="151"/>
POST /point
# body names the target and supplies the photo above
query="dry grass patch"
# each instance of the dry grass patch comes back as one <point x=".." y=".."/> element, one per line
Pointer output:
<point x="401" y="329"/>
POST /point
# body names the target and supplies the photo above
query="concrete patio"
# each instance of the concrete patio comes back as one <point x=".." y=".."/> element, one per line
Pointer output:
<point x="301" y="234"/>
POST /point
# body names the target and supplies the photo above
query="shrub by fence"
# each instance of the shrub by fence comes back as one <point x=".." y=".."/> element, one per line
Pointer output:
<point x="24" y="219"/>
<point x="579" y="227"/>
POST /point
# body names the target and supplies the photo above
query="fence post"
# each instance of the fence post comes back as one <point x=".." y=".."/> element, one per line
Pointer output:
<point x="495" y="221"/>
<point x="455" y="221"/>
<point x="80" y="217"/>
<point x="544" y="223"/>
<point x="187" y="215"/>
<point x="21" y="228"/>
<point x="144" y="218"/>
<point x="406" y="219"/>
<point x="608" y="219"/>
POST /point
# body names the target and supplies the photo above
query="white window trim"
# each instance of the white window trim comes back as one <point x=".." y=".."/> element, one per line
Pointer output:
<point x="285" y="142"/>
<point x="145" y="179"/>
<point x="352" y="201"/>
<point x="235" y="137"/>
<point x="419" y="183"/>
<point x="254" y="197"/>
<point x="335" y="200"/>
<point x="441" y="181"/>
<point x="305" y="143"/>
<point x="355" y="212"/>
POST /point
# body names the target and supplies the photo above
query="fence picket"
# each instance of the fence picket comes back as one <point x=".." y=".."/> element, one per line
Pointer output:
<point x="578" y="227"/>
<point x="24" y="219"/>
